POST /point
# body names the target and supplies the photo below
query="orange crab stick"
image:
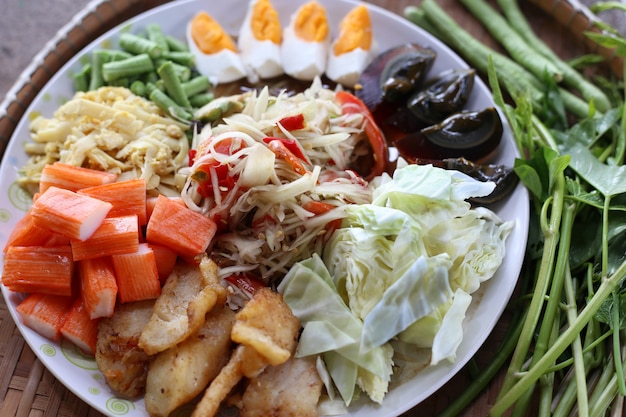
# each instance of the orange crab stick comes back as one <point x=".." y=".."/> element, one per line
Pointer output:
<point x="41" y="269"/>
<point x="98" y="286"/>
<point x="181" y="229"/>
<point x="116" y="235"/>
<point x="79" y="328"/>
<point x="71" y="177"/>
<point x="26" y="233"/>
<point x="45" y="313"/>
<point x="72" y="215"/>
<point x="137" y="275"/>
<point x="127" y="197"/>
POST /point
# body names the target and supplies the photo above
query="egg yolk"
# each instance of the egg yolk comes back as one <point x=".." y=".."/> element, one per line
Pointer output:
<point x="265" y="23"/>
<point x="355" y="31"/>
<point x="311" y="24"/>
<point x="209" y="35"/>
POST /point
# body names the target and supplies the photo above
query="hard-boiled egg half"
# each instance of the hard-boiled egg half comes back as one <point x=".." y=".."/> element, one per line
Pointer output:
<point x="353" y="48"/>
<point x="306" y="41"/>
<point x="215" y="50"/>
<point x="260" y="39"/>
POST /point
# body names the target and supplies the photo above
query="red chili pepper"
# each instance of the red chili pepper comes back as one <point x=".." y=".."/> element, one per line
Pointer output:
<point x="191" y="155"/>
<point x="351" y="104"/>
<point x="293" y="122"/>
<point x="289" y="144"/>
<point x="247" y="283"/>
<point x="280" y="149"/>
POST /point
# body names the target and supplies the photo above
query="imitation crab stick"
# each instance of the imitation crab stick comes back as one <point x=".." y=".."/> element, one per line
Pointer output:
<point x="137" y="275"/>
<point x="179" y="228"/>
<point x="45" y="313"/>
<point x="26" y="233"/>
<point x="72" y="177"/>
<point x="73" y="215"/>
<point x="79" y="328"/>
<point x="127" y="197"/>
<point x="165" y="259"/>
<point x="47" y="270"/>
<point x="98" y="286"/>
<point x="115" y="235"/>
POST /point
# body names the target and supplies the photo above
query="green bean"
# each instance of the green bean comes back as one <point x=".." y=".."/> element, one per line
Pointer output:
<point x="136" y="65"/>
<point x="571" y="77"/>
<point x="138" y="45"/>
<point x="511" y="40"/>
<point x="155" y="34"/>
<point x="98" y="59"/>
<point x="139" y="88"/>
<point x="81" y="78"/>
<point x="199" y="100"/>
<point x="196" y="85"/>
<point x="180" y="57"/>
<point x="183" y="72"/>
<point x="172" y="83"/>
<point x="175" y="44"/>
<point x="168" y="105"/>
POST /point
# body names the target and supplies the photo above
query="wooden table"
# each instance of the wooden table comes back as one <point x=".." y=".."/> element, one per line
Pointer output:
<point x="27" y="389"/>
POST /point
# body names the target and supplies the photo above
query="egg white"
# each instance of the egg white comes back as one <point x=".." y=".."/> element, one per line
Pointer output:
<point x="221" y="67"/>
<point x="346" y="68"/>
<point x="303" y="60"/>
<point x="261" y="59"/>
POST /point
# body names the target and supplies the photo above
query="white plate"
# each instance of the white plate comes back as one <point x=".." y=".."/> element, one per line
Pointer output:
<point x="80" y="374"/>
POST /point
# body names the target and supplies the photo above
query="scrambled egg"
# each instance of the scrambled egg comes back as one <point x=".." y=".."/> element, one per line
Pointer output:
<point x="113" y="130"/>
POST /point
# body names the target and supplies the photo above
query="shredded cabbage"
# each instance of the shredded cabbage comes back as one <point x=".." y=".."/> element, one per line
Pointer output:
<point x="262" y="209"/>
<point x="402" y="267"/>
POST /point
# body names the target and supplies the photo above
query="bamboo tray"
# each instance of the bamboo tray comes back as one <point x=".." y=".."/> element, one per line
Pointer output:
<point x="28" y="389"/>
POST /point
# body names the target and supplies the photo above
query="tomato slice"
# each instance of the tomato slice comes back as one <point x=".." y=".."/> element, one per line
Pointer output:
<point x="292" y="122"/>
<point x="351" y="104"/>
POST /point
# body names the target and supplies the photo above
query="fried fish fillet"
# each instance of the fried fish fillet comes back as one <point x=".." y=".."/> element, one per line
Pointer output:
<point x="292" y="389"/>
<point x="267" y="332"/>
<point x="188" y="294"/>
<point x="181" y="372"/>
<point x="124" y="364"/>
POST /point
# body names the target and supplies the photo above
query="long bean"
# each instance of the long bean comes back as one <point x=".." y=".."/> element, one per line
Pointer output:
<point x="172" y="83"/>
<point x="571" y="77"/>
<point x="514" y="44"/>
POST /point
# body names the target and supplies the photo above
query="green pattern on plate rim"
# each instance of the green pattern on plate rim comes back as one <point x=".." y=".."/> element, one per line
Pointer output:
<point x="119" y="406"/>
<point x="77" y="357"/>
<point x="48" y="350"/>
<point x="94" y="390"/>
<point x="19" y="197"/>
<point x="5" y="215"/>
